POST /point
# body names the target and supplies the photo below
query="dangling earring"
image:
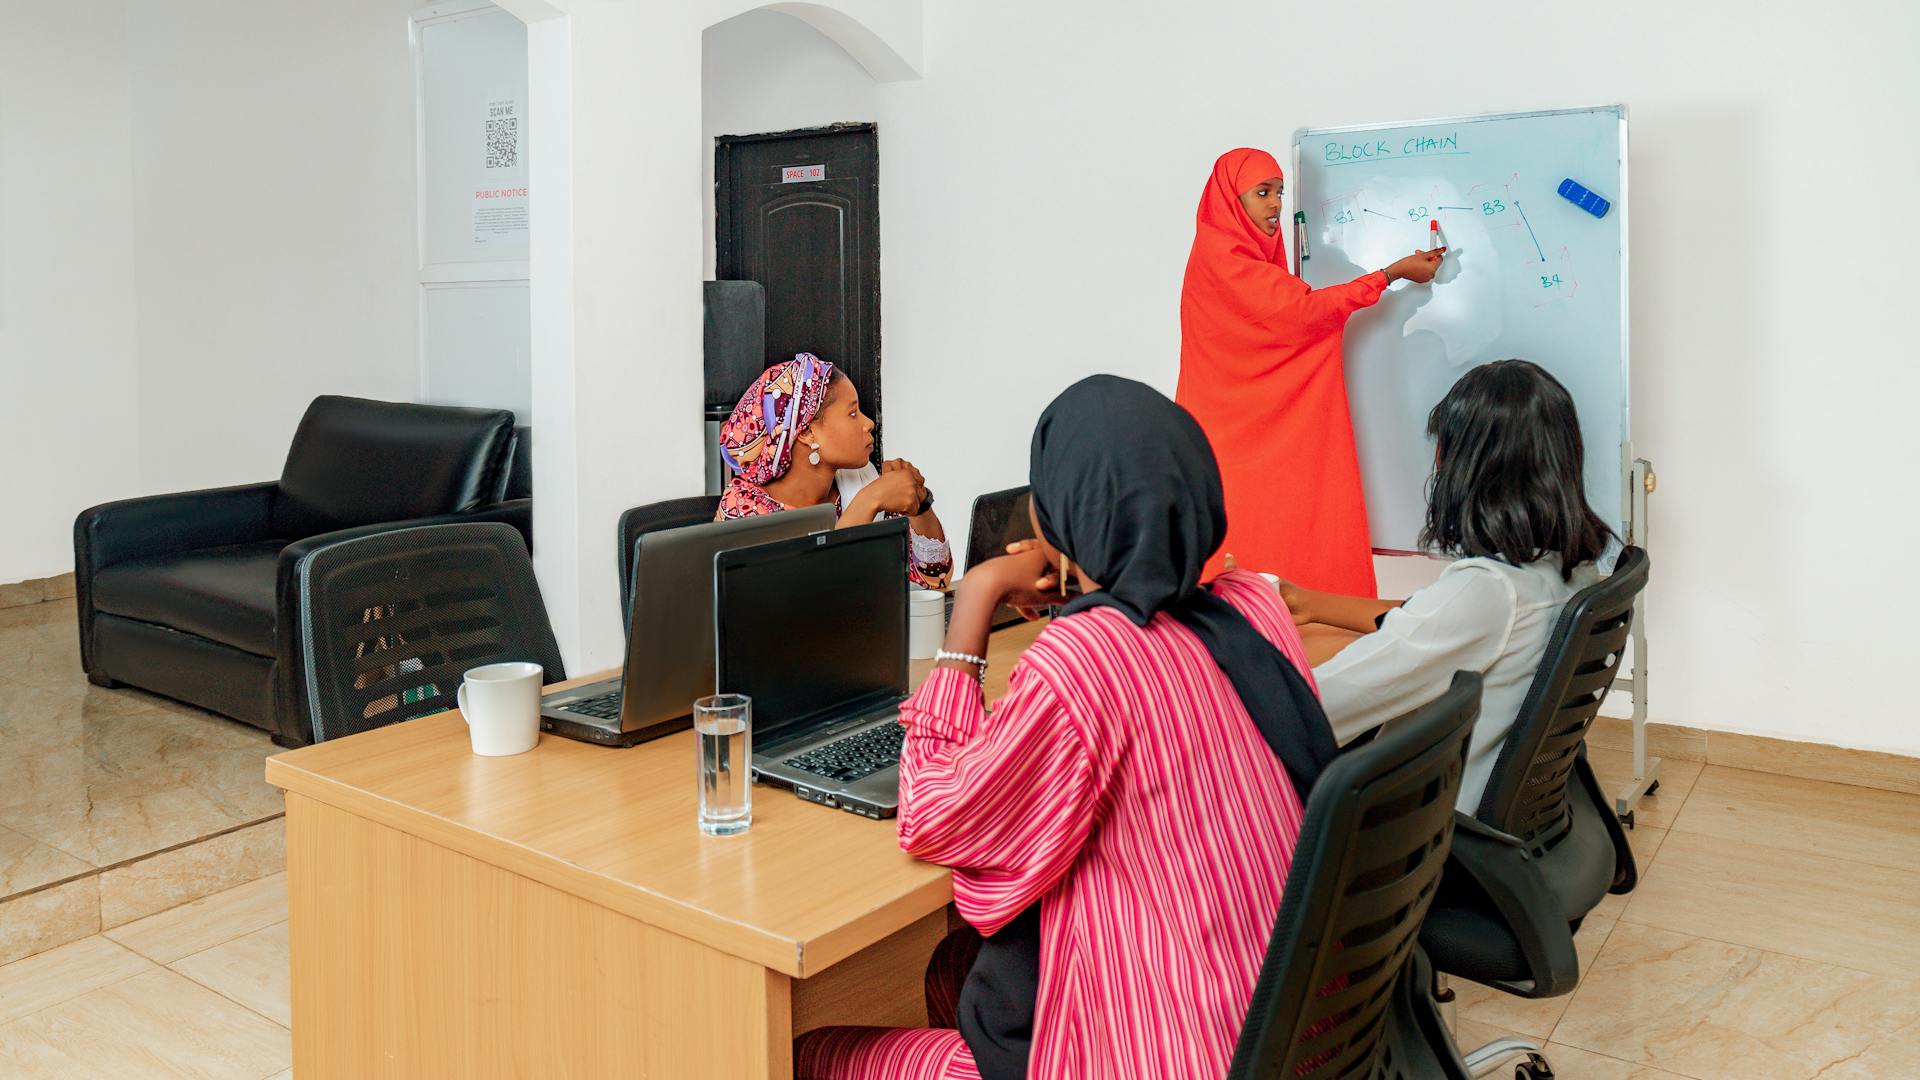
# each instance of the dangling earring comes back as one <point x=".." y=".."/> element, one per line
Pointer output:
<point x="1063" y="573"/>
<point x="814" y="458"/>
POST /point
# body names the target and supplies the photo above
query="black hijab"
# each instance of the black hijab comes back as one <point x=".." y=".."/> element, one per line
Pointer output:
<point x="1126" y="485"/>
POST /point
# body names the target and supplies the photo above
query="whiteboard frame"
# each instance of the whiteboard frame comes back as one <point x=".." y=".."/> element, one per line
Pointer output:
<point x="1621" y="206"/>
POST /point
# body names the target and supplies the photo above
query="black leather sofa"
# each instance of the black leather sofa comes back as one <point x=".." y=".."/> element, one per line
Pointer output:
<point x="194" y="595"/>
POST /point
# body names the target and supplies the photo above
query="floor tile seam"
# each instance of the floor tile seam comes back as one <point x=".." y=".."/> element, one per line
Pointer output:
<point x="1705" y="765"/>
<point x="153" y="967"/>
<point x="219" y="944"/>
<point x="1629" y="1062"/>
<point x="50" y="845"/>
<point x="1880" y="975"/>
<point x="96" y="871"/>
<point x="223" y="941"/>
<point x="1608" y="936"/>
<point x="1912" y="868"/>
<point x="1673" y="828"/>
<point x="242" y="1006"/>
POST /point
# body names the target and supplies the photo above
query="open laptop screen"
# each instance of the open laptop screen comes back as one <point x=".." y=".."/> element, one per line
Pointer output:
<point x="813" y="627"/>
<point x="999" y="518"/>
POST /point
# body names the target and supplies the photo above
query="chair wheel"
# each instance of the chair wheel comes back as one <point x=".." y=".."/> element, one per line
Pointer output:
<point x="1653" y="787"/>
<point x="1627" y="819"/>
<point x="1534" y="1068"/>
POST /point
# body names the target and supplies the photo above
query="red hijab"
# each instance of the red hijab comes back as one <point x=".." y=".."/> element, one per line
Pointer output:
<point x="1224" y="229"/>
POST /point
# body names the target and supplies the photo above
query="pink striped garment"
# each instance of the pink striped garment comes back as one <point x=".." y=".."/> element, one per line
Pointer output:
<point x="1122" y="784"/>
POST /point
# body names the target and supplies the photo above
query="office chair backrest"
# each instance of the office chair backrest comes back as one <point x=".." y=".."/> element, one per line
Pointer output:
<point x="1377" y="829"/>
<point x="394" y="621"/>
<point x="1575" y="674"/>
<point x="669" y="514"/>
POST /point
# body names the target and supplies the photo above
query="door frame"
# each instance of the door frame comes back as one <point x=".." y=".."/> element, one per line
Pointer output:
<point x="723" y="232"/>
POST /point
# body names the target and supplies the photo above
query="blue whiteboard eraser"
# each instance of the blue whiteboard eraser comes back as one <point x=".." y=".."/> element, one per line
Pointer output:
<point x="1584" y="199"/>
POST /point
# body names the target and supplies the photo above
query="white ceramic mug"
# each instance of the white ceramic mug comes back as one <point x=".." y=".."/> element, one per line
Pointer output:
<point x="501" y="703"/>
<point x="926" y="623"/>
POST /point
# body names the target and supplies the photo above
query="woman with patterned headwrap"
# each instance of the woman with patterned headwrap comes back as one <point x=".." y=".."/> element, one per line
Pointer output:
<point x="798" y="438"/>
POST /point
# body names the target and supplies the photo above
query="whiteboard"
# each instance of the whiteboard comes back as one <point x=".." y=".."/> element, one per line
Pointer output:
<point x="1528" y="274"/>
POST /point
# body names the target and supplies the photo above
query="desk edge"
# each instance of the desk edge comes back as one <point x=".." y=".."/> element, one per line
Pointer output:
<point x="794" y="957"/>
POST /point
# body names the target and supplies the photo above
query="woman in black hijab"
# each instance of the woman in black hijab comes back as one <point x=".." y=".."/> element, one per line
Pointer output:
<point x="1120" y="828"/>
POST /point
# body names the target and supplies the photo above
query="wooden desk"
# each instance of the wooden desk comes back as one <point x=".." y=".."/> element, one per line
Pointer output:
<point x="558" y="913"/>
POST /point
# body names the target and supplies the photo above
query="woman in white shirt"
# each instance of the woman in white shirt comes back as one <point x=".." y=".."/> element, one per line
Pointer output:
<point x="1506" y="503"/>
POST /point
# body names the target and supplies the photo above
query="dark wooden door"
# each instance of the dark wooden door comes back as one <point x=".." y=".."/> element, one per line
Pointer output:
<point x="799" y="212"/>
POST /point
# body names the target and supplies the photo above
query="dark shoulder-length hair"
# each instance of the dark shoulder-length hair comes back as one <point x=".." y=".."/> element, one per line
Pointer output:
<point x="1507" y="471"/>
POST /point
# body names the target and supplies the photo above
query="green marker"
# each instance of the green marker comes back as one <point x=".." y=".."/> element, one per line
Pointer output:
<point x="1300" y="233"/>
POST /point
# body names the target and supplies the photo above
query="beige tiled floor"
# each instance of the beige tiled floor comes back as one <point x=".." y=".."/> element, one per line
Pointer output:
<point x="115" y="804"/>
<point x="200" y="991"/>
<point x="1775" y="935"/>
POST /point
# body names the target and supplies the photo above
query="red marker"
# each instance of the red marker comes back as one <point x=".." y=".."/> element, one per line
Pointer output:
<point x="1433" y="234"/>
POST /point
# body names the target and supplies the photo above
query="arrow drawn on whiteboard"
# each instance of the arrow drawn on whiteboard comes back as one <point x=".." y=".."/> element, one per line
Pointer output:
<point x="1377" y="213"/>
<point x="1529" y="225"/>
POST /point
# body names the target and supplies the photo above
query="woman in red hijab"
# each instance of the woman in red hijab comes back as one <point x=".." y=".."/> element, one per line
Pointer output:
<point x="1260" y="369"/>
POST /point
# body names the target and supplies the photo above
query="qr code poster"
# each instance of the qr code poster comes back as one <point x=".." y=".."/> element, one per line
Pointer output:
<point x="503" y="135"/>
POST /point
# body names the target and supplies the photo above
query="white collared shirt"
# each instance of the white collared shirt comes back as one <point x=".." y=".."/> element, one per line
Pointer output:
<point x="1481" y="615"/>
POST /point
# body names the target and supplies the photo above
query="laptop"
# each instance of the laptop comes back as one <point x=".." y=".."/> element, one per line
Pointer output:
<point x="669" y="632"/>
<point x="999" y="518"/>
<point x="814" y="630"/>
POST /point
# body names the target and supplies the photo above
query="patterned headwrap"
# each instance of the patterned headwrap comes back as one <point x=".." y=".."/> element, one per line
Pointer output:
<point x="757" y="440"/>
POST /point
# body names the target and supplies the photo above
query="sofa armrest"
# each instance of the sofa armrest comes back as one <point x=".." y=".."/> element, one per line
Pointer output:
<point x="164" y="524"/>
<point x="116" y="532"/>
<point x="293" y="727"/>
<point x="515" y="512"/>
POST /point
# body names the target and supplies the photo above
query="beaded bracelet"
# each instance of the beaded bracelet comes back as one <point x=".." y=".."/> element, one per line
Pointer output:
<point x="965" y="658"/>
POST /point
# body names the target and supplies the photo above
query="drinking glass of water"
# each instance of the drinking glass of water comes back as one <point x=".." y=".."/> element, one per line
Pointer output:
<point x="723" y="738"/>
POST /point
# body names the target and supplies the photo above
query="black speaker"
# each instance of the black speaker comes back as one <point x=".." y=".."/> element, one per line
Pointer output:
<point x="736" y="341"/>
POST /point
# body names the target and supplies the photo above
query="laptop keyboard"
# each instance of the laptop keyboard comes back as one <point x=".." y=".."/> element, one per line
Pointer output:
<point x="858" y="755"/>
<point x="601" y="706"/>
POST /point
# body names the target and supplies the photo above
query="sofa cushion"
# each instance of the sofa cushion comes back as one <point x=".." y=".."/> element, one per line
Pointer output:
<point x="359" y="462"/>
<point x="224" y="594"/>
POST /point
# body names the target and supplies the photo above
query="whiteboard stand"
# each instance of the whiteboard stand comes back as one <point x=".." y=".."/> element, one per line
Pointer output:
<point x="1646" y="770"/>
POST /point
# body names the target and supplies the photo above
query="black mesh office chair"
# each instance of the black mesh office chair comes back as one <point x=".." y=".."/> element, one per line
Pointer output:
<point x="1544" y="847"/>
<point x="393" y="621"/>
<point x="670" y="514"/>
<point x="1344" y="992"/>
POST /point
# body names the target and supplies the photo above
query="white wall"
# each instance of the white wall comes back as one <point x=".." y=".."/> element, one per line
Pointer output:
<point x="206" y="219"/>
<point x="274" y="216"/>
<point x="67" y="388"/>
<point x="1037" y="200"/>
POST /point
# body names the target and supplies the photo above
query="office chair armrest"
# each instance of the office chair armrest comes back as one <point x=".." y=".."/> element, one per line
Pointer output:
<point x="1466" y="823"/>
<point x="1500" y="865"/>
<point x="292" y="723"/>
<point x="1626" y="872"/>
